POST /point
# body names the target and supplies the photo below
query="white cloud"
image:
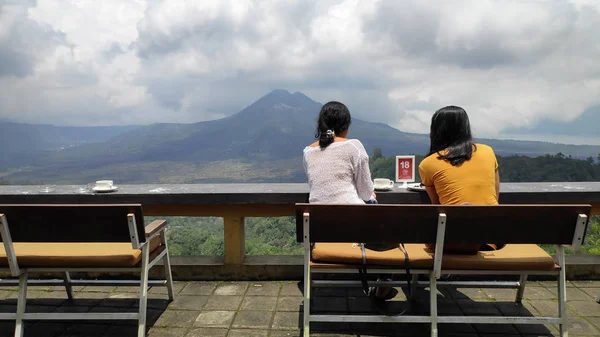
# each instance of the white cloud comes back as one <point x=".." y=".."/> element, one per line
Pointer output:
<point x="508" y="62"/>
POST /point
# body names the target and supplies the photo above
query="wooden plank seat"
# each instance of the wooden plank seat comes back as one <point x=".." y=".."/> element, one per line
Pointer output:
<point x="80" y="238"/>
<point x="328" y="232"/>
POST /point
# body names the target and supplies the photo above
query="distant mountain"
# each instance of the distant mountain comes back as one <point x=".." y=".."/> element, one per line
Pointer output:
<point x="22" y="143"/>
<point x="584" y="125"/>
<point x="261" y="143"/>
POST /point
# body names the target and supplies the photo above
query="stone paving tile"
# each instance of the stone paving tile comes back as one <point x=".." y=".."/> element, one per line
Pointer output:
<point x="516" y="309"/>
<point x="448" y="308"/>
<point x="357" y="305"/>
<point x="124" y="295"/>
<point x="118" y="302"/>
<point x="231" y="288"/>
<point x="499" y="294"/>
<point x="177" y="287"/>
<point x="6" y="294"/>
<point x="52" y="294"/>
<point x="217" y="302"/>
<point x="199" y="288"/>
<point x="248" y="333"/>
<point x="285" y="333"/>
<point x="214" y="319"/>
<point x="98" y="289"/>
<point x="538" y="293"/>
<point x="167" y="332"/>
<point x="329" y="305"/>
<point x="207" y="332"/>
<point x="286" y="321"/>
<point x="252" y="320"/>
<point x="545" y="307"/>
<point x="264" y="289"/>
<point x="594" y="320"/>
<point x="573" y="294"/>
<point x="47" y="329"/>
<point x="506" y="329"/>
<point x="579" y="326"/>
<point x="177" y="318"/>
<point x="586" y="284"/>
<point x="188" y="302"/>
<point x="121" y="331"/>
<point x="592" y="292"/>
<point x="446" y="329"/>
<point x="78" y="330"/>
<point x="586" y="308"/>
<point x="127" y="289"/>
<point x="471" y="293"/>
<point x="329" y="292"/>
<point x="263" y="303"/>
<point x="535" y="329"/>
<point x="291" y="289"/>
<point x="472" y="308"/>
<point x="82" y="295"/>
<point x="289" y="303"/>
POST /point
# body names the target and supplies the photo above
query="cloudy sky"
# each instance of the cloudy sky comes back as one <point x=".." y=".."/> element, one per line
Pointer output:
<point x="88" y="62"/>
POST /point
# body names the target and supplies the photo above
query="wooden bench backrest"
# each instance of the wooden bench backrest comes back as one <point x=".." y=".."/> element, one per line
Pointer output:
<point x="541" y="224"/>
<point x="72" y="223"/>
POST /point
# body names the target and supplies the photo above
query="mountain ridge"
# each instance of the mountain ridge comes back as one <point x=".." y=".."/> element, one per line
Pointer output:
<point x="263" y="141"/>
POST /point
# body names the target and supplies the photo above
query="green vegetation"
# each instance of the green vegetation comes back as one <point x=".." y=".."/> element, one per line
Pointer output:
<point x="276" y="236"/>
<point x="190" y="236"/>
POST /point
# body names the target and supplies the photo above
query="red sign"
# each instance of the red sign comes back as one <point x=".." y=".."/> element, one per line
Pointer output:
<point x="405" y="168"/>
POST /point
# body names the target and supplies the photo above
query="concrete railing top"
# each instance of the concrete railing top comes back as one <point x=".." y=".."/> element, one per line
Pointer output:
<point x="277" y="194"/>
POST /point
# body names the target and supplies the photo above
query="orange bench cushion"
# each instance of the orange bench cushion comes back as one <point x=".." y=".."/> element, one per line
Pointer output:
<point x="511" y="257"/>
<point x="76" y="254"/>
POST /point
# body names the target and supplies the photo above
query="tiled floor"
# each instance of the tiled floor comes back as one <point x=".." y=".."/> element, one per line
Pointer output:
<point x="260" y="309"/>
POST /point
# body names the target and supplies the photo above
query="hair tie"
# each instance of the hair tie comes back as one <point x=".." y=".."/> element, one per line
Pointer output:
<point x="330" y="134"/>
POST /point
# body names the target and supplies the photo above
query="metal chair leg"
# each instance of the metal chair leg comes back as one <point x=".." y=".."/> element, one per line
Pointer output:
<point x="562" y="292"/>
<point x="68" y="286"/>
<point x="521" y="290"/>
<point x="21" y="303"/>
<point x="167" y="263"/>
<point x="433" y="303"/>
<point x="143" y="291"/>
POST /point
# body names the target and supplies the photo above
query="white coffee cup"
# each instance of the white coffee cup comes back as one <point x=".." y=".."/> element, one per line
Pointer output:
<point x="381" y="183"/>
<point x="104" y="184"/>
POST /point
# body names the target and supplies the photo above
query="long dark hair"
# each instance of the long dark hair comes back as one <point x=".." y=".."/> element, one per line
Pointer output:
<point x="334" y="119"/>
<point x="451" y="131"/>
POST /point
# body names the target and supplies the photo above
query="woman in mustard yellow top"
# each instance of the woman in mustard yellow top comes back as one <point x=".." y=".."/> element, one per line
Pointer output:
<point x="458" y="171"/>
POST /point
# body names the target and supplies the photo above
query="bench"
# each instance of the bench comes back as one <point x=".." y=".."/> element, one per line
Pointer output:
<point x="80" y="238"/>
<point x="328" y="231"/>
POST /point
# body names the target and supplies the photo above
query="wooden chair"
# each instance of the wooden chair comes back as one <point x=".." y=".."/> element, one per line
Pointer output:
<point x="328" y="232"/>
<point x="80" y="238"/>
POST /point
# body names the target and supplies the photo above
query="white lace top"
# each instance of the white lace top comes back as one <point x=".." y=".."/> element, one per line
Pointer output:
<point x="339" y="174"/>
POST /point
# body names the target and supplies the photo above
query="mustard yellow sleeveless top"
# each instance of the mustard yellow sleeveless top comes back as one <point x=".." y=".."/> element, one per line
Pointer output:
<point x="473" y="181"/>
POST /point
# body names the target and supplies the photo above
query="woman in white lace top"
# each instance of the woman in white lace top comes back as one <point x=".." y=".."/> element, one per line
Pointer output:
<point x="337" y="168"/>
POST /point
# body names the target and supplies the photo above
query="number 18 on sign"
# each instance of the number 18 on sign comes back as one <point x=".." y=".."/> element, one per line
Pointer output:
<point x="405" y="169"/>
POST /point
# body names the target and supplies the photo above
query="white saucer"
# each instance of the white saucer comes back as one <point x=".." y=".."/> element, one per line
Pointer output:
<point x="416" y="187"/>
<point x="101" y="189"/>
<point x="387" y="188"/>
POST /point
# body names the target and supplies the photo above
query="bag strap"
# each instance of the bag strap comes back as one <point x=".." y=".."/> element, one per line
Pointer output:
<point x="362" y="272"/>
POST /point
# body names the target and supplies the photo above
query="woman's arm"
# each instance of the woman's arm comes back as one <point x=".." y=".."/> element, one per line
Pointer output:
<point x="435" y="199"/>
<point x="497" y="186"/>
<point x="362" y="174"/>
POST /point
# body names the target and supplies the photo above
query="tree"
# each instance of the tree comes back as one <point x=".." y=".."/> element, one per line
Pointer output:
<point x="377" y="153"/>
